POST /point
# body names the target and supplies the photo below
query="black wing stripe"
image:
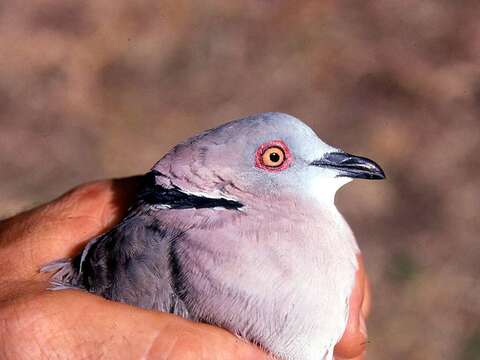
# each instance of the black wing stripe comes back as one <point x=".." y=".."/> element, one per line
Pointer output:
<point x="175" y="198"/>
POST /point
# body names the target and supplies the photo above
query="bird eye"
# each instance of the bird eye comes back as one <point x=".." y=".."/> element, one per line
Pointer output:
<point x="273" y="157"/>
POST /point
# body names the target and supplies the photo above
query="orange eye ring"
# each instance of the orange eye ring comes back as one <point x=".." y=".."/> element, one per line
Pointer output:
<point x="273" y="156"/>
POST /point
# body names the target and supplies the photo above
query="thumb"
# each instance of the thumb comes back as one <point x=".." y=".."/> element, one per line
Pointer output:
<point x="60" y="228"/>
<point x="73" y="324"/>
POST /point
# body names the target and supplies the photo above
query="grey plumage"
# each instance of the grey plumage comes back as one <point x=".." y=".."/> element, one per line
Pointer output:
<point x="218" y="235"/>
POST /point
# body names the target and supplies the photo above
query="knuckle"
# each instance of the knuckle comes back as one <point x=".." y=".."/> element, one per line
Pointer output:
<point x="89" y="191"/>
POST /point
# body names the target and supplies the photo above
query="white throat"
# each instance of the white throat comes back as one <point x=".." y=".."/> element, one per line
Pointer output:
<point x="325" y="188"/>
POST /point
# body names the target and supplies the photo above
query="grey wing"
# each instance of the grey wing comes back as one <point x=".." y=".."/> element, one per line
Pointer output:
<point x="131" y="264"/>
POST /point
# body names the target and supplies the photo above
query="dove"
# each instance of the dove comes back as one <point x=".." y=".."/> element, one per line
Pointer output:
<point x="237" y="227"/>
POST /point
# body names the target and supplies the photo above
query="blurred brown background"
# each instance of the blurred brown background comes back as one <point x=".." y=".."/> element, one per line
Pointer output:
<point x="95" y="89"/>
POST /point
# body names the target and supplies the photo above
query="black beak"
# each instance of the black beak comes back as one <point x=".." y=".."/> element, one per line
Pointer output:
<point x="352" y="166"/>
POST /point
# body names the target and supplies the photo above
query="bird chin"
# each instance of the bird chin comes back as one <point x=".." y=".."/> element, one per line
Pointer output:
<point x="324" y="190"/>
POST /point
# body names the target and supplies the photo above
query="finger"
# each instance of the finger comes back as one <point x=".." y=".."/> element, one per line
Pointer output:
<point x="73" y="324"/>
<point x="359" y="357"/>
<point x="58" y="229"/>
<point x="367" y="298"/>
<point x="353" y="342"/>
<point x="106" y="201"/>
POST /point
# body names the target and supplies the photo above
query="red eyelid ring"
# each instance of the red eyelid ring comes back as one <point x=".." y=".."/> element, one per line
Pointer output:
<point x="264" y="147"/>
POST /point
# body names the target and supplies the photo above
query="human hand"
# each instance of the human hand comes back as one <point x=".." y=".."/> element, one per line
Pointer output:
<point x="71" y="324"/>
<point x="354" y="340"/>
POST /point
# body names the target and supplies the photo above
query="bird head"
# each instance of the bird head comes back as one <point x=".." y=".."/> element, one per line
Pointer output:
<point x="264" y="156"/>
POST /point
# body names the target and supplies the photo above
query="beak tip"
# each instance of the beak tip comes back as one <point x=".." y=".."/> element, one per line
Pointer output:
<point x="379" y="174"/>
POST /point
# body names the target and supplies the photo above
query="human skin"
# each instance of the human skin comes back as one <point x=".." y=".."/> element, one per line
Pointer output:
<point x="39" y="324"/>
